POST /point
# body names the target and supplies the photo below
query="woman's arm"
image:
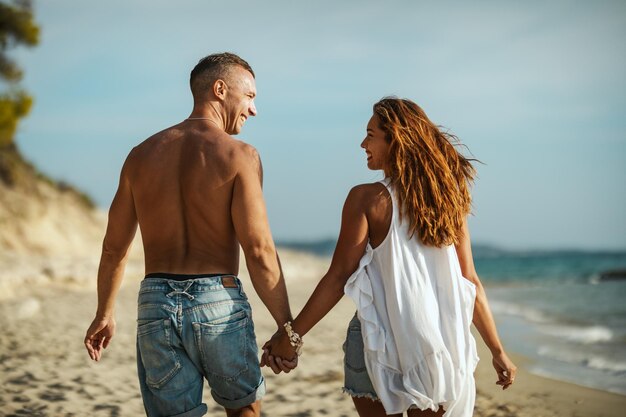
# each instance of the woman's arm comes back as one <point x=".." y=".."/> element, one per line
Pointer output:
<point x="350" y="248"/>
<point x="483" y="319"/>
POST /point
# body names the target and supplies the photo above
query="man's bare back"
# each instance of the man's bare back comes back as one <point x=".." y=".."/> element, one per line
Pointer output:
<point x="182" y="181"/>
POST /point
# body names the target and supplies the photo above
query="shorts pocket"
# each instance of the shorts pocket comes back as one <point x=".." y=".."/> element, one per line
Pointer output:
<point x="354" y="350"/>
<point x="223" y="345"/>
<point x="159" y="358"/>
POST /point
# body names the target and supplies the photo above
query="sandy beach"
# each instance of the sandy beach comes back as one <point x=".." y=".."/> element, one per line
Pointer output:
<point x="45" y="370"/>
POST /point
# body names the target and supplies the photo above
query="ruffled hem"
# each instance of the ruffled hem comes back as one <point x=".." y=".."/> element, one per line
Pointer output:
<point x="430" y="383"/>
<point x="359" y="289"/>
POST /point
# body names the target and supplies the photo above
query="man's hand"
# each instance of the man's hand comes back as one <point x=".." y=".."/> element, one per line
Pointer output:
<point x="276" y="353"/>
<point x="99" y="336"/>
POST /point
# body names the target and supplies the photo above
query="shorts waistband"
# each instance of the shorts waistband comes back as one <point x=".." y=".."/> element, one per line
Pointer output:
<point x="184" y="277"/>
<point x="227" y="280"/>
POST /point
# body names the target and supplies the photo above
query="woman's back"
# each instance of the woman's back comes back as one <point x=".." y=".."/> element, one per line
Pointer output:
<point x="415" y="309"/>
<point x="379" y="211"/>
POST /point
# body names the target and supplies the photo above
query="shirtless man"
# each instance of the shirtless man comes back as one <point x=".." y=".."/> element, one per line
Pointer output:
<point x="196" y="193"/>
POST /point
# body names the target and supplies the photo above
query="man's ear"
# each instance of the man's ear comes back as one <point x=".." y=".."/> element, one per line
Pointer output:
<point x="219" y="89"/>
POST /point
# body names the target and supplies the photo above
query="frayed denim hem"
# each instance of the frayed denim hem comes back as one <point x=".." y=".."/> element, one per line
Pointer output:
<point x="369" y="395"/>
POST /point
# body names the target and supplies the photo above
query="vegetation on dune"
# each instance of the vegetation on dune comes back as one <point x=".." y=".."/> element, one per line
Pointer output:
<point x="18" y="28"/>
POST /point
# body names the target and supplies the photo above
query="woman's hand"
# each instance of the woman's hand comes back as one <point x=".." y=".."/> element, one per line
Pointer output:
<point x="505" y="369"/>
<point x="278" y="353"/>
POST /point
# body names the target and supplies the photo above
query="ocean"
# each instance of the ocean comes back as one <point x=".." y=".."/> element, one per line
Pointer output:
<point x="554" y="307"/>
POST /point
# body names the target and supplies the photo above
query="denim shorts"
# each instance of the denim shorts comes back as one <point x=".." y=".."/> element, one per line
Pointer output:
<point x="189" y="330"/>
<point x="357" y="382"/>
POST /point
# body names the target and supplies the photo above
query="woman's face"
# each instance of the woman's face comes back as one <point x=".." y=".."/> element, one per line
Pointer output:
<point x="376" y="145"/>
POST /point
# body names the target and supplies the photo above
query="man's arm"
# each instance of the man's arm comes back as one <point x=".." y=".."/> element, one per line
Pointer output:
<point x="253" y="233"/>
<point x="120" y="232"/>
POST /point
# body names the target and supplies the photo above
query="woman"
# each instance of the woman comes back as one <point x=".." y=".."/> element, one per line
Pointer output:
<point x="404" y="257"/>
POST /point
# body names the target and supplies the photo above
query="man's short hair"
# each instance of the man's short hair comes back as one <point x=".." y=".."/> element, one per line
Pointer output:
<point x="212" y="68"/>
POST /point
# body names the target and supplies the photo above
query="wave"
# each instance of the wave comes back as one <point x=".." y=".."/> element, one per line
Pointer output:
<point x="580" y="334"/>
<point x="573" y="333"/>
<point x="616" y="387"/>
<point x="512" y="309"/>
<point x="603" y="364"/>
<point x="597" y="362"/>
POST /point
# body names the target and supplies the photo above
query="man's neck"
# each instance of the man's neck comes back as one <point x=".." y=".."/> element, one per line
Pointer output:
<point x="208" y="114"/>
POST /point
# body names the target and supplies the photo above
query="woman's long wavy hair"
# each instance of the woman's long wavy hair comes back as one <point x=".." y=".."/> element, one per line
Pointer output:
<point x="430" y="177"/>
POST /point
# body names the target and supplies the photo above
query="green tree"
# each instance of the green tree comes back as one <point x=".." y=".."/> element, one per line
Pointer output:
<point x="17" y="27"/>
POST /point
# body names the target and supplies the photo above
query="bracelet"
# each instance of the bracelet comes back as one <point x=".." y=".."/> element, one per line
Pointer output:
<point x="294" y="338"/>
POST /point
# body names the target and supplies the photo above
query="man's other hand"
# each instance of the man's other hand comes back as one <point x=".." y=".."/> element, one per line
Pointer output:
<point x="99" y="336"/>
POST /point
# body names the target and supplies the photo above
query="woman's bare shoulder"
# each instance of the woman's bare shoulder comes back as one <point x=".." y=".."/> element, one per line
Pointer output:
<point x="369" y="196"/>
<point x="371" y="189"/>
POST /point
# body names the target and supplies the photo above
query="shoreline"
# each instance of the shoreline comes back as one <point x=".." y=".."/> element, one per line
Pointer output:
<point x="573" y="348"/>
<point x="539" y="395"/>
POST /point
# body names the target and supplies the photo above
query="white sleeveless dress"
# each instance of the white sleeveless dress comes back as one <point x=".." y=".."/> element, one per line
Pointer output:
<point x="416" y="309"/>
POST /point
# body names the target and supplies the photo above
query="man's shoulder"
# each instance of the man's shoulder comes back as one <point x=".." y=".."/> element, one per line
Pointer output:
<point x="147" y="144"/>
<point x="243" y="155"/>
<point x="229" y="146"/>
<point x="244" y="149"/>
<point x="145" y="149"/>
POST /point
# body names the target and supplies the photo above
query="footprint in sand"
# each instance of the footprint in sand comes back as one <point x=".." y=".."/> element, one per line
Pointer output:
<point x="31" y="411"/>
<point x="25" y="379"/>
<point x="52" y="396"/>
<point x="59" y="386"/>
<point x="21" y="399"/>
<point x="82" y="391"/>
<point x="114" y="410"/>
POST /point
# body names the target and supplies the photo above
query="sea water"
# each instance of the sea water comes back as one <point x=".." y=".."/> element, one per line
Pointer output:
<point x="552" y="307"/>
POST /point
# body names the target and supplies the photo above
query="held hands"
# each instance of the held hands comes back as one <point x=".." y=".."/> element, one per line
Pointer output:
<point x="505" y="369"/>
<point x="278" y="353"/>
<point x="99" y="336"/>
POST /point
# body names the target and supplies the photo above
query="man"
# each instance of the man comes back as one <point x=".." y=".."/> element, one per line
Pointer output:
<point x="196" y="193"/>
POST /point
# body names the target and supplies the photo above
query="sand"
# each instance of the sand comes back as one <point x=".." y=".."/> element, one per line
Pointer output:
<point x="45" y="370"/>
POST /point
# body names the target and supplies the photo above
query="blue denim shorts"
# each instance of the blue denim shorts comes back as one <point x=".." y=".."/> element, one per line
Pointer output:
<point x="189" y="330"/>
<point x="357" y="382"/>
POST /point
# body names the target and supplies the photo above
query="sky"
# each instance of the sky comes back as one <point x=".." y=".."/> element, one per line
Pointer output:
<point x="536" y="90"/>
